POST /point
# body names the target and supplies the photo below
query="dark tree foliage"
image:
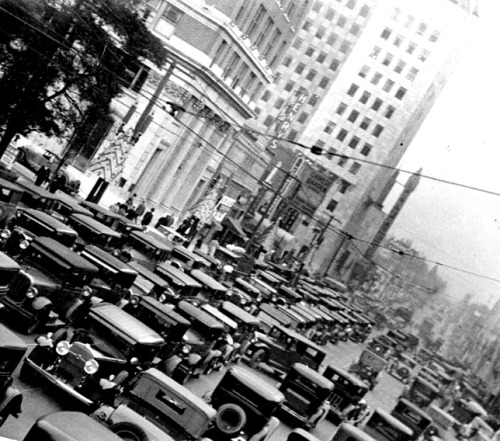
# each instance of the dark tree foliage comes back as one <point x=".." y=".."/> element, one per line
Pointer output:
<point x="59" y="58"/>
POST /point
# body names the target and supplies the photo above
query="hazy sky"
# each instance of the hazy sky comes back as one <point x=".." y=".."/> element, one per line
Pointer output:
<point x="460" y="142"/>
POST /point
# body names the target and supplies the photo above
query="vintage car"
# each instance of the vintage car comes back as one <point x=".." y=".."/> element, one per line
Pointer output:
<point x="246" y="406"/>
<point x="270" y="315"/>
<point x="290" y="295"/>
<point x="187" y="260"/>
<point x="50" y="288"/>
<point x="368" y="367"/>
<point x="64" y="205"/>
<point x="348" y="432"/>
<point x="10" y="196"/>
<point x="112" y="345"/>
<point x="421" y="392"/>
<point x="9" y="268"/>
<point x="384" y="427"/>
<point x="35" y="197"/>
<point x="112" y="220"/>
<point x="92" y="232"/>
<point x="403" y="368"/>
<point x="114" y="279"/>
<point x="71" y="426"/>
<point x="412" y="416"/>
<point x="13" y="350"/>
<point x="181" y="284"/>
<point x="464" y="411"/>
<point x="211" y="290"/>
<point x="157" y="408"/>
<point x="146" y="249"/>
<point x="281" y="347"/>
<point x="347" y="392"/>
<point x="28" y="224"/>
<point x="307" y="395"/>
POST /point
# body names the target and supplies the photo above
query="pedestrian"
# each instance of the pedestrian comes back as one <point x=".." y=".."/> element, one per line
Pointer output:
<point x="115" y="208"/>
<point x="147" y="218"/>
<point x="140" y="209"/>
<point x="122" y="210"/>
<point x="130" y="201"/>
<point x="42" y="175"/>
<point x="58" y="183"/>
<point x="131" y="213"/>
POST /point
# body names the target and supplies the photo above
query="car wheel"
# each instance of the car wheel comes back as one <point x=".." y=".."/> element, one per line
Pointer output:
<point x="129" y="431"/>
<point x="21" y="156"/>
<point x="230" y="418"/>
<point x="212" y="364"/>
<point x="257" y="358"/>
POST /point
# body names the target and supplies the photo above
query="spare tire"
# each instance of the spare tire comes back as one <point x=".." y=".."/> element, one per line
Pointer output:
<point x="230" y="418"/>
<point x="403" y="372"/>
<point x="129" y="431"/>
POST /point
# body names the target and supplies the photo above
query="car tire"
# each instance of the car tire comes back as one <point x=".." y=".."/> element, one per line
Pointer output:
<point x="230" y="419"/>
<point x="129" y="431"/>
<point x="211" y="366"/>
<point x="257" y="357"/>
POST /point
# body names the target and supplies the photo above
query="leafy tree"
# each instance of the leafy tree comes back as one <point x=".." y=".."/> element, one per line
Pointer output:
<point x="60" y="58"/>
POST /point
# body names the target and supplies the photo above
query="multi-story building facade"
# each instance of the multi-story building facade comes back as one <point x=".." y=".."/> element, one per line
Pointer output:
<point x="371" y="70"/>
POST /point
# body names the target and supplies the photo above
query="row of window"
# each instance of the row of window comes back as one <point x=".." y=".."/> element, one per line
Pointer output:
<point x="421" y="29"/>
<point x="387" y="59"/>
<point x="330" y="41"/>
<point x="410" y="75"/>
<point x="330" y="13"/>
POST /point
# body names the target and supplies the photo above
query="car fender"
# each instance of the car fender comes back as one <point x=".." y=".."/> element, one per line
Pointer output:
<point x="256" y="346"/>
<point x="193" y="359"/>
<point x="211" y="355"/>
<point x="170" y="364"/>
<point x="40" y="303"/>
<point x="13" y="400"/>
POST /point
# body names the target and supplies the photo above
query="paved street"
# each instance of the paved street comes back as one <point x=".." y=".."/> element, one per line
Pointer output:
<point x="39" y="401"/>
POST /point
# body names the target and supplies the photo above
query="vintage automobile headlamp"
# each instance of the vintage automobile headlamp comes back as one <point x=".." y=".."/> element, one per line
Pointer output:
<point x="91" y="367"/>
<point x="87" y="290"/>
<point x="24" y="244"/>
<point x="186" y="349"/>
<point x="134" y="360"/>
<point x="19" y="213"/>
<point x="5" y="234"/>
<point x="62" y="348"/>
<point x="134" y="300"/>
<point x="31" y="293"/>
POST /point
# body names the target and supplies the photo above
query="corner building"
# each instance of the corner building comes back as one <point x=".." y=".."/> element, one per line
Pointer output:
<point x="372" y="70"/>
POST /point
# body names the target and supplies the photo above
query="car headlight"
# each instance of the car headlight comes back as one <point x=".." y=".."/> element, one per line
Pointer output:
<point x="24" y="244"/>
<point x="87" y="290"/>
<point x="91" y="367"/>
<point x="5" y="234"/>
<point x="31" y="293"/>
<point x="62" y="348"/>
<point x="134" y="360"/>
<point x="186" y="349"/>
<point x="134" y="300"/>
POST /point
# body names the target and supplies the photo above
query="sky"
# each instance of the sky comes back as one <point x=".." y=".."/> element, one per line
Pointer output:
<point x="460" y="142"/>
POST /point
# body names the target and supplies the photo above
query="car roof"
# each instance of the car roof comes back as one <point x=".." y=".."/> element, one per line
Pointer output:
<point x="260" y="386"/>
<point x="299" y="337"/>
<point x="151" y="240"/>
<point x="290" y="292"/>
<point x="199" y="314"/>
<point x="107" y="258"/>
<point x="95" y="224"/>
<point x="128" y="325"/>
<point x="72" y="202"/>
<point x="393" y="421"/>
<point x="177" y="275"/>
<point x="164" y="308"/>
<point x="30" y="187"/>
<point x="414" y="408"/>
<point x="205" y="256"/>
<point x="73" y="426"/>
<point x="148" y="274"/>
<point x="49" y="220"/>
<point x="353" y="379"/>
<point x="247" y="285"/>
<point x="205" y="279"/>
<point x="220" y="316"/>
<point x="239" y="313"/>
<point x="354" y="433"/>
<point x="312" y="375"/>
<point x="12" y="185"/>
<point x="190" y="254"/>
<point x="64" y="253"/>
<point x="10" y="340"/>
<point x="100" y="209"/>
<point x="7" y="263"/>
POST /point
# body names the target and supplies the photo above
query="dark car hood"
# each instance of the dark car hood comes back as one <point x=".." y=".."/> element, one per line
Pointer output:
<point x="40" y="278"/>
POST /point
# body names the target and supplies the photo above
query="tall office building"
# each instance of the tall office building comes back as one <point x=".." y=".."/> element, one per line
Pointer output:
<point x="371" y="70"/>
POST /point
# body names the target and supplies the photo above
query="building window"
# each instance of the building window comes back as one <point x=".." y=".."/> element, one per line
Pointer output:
<point x="310" y="51"/>
<point x="311" y="74"/>
<point x="352" y="90"/>
<point x="330" y="14"/>
<point x="292" y="135"/>
<point x="289" y="86"/>
<point x="341" y="108"/>
<point x="342" y="134"/>
<point x="411" y="47"/>
<point x="341" y="21"/>
<point x="355" y="168"/>
<point x="300" y="68"/>
<point x="272" y="43"/>
<point x="320" y="33"/>
<point x="344" y="47"/>
<point x="307" y="25"/>
<point x="324" y="83"/>
<point x="266" y="96"/>
<point x="376" y="78"/>
<point x="364" y="11"/>
<point x="297" y="43"/>
<point x="377" y="130"/>
<point x="332" y="38"/>
<point x="268" y="121"/>
<point x="302" y="117"/>
<point x="409" y="21"/>
<point x="376" y="104"/>
<point x="422" y="27"/>
<point x="321" y="57"/>
<point x="400" y="66"/>
<point x="424" y="54"/>
<point x="287" y="61"/>
<point x="375" y="52"/>
<point x="367" y="148"/>
<point x="342" y="161"/>
<point x="279" y="103"/>
<point x="396" y="14"/>
<point x="313" y="100"/>
<point x="332" y="205"/>
<point x="353" y="143"/>
<point x="317" y="6"/>
<point x="265" y="32"/>
<point x="389" y="111"/>
<point x="387" y="60"/>
<point x="354" y="29"/>
<point x="351" y="4"/>
<point x="400" y="93"/>
<point x="398" y="40"/>
<point x="256" y="21"/>
<point x="353" y="116"/>
<point x="434" y="36"/>
<point x="344" y="186"/>
<point x="365" y="97"/>
<point x="365" y="123"/>
<point x="386" y="33"/>
<point x="363" y="72"/>
<point x="172" y="14"/>
<point x="412" y="73"/>
<point x="330" y="127"/>
<point x="388" y="86"/>
<point x="334" y="65"/>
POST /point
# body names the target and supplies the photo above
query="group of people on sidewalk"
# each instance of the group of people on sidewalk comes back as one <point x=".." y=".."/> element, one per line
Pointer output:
<point x="134" y="212"/>
<point x="58" y="182"/>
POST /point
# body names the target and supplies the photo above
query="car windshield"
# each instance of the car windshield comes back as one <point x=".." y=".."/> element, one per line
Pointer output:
<point x="6" y="275"/>
<point x="9" y="359"/>
<point x="142" y="285"/>
<point x="57" y="268"/>
<point x="147" y="250"/>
